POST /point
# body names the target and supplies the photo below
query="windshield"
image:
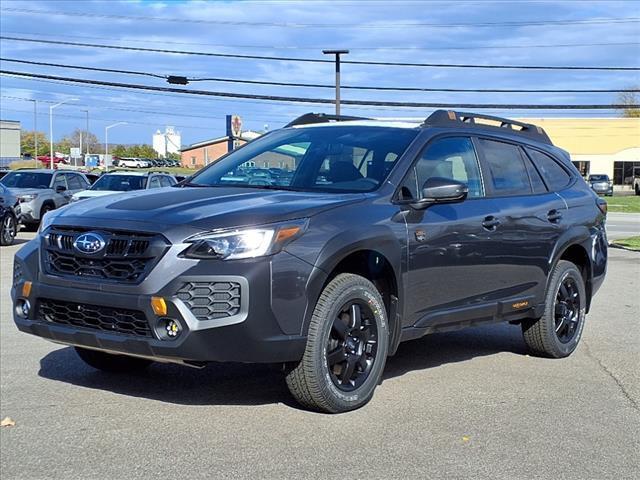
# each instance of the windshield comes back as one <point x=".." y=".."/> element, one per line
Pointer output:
<point x="119" y="183"/>
<point x="598" y="178"/>
<point x="330" y="158"/>
<point x="27" y="180"/>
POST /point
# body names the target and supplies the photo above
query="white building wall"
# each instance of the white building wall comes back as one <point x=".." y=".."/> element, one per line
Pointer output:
<point x="167" y="142"/>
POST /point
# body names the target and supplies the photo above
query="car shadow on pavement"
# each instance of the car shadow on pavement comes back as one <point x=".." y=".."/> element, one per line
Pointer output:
<point x="244" y="384"/>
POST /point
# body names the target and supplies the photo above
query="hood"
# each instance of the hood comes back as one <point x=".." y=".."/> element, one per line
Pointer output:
<point x="201" y="208"/>
<point x="94" y="193"/>
<point x="28" y="191"/>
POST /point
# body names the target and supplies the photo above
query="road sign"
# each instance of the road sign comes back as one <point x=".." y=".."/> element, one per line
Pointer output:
<point x="236" y="125"/>
<point x="75" y="153"/>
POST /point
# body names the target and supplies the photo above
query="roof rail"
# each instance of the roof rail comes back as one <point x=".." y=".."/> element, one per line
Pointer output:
<point x="450" y="118"/>
<point x="310" y="118"/>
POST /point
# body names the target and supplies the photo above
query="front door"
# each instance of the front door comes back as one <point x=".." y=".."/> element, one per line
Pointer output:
<point x="453" y="257"/>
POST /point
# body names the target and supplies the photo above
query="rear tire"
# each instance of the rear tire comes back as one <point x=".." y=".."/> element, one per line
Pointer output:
<point x="346" y="347"/>
<point x="557" y="333"/>
<point x="108" y="362"/>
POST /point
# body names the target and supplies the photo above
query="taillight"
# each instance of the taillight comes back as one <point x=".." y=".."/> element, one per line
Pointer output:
<point x="602" y="205"/>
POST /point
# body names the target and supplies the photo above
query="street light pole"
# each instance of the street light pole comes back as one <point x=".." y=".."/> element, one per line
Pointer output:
<point x="51" y="126"/>
<point x="337" y="54"/>
<point x="87" y="130"/>
<point x="35" y="131"/>
<point x="106" y="143"/>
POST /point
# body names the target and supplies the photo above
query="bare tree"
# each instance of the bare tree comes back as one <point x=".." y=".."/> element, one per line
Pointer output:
<point x="630" y="100"/>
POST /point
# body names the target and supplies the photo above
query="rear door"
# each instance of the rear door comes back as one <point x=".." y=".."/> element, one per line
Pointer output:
<point x="530" y="220"/>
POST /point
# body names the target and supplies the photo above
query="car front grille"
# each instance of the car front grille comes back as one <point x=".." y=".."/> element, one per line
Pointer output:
<point x="211" y="300"/>
<point x="125" y="258"/>
<point x="109" y="319"/>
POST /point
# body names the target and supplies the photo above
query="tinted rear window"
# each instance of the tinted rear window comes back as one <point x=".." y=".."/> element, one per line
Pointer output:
<point x="555" y="176"/>
<point x="508" y="171"/>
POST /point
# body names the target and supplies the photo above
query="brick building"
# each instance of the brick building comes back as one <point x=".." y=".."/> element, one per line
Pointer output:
<point x="203" y="153"/>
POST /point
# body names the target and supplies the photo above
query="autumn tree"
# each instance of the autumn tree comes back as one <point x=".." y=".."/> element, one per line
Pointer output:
<point x="631" y="103"/>
<point x="27" y="143"/>
<point x="73" y="140"/>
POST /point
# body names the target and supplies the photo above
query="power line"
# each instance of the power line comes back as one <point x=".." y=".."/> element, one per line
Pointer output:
<point x="320" y="85"/>
<point x="151" y="112"/>
<point x="319" y="60"/>
<point x="356" y="48"/>
<point x="323" y="100"/>
<point x="294" y="106"/>
<point x="593" y="21"/>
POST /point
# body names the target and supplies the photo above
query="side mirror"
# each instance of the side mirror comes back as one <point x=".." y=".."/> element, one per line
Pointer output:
<point x="441" y="190"/>
<point x="61" y="188"/>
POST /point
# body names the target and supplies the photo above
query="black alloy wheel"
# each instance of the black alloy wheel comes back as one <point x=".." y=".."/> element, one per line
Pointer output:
<point x="567" y="309"/>
<point x="352" y="346"/>
<point x="9" y="229"/>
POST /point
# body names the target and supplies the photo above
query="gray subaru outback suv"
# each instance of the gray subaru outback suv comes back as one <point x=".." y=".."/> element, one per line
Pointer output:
<point x="377" y="233"/>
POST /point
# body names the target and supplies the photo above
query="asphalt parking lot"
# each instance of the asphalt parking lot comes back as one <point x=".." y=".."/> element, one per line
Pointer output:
<point x="468" y="404"/>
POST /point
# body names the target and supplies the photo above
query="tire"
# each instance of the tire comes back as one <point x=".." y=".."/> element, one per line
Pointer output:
<point x="108" y="362"/>
<point x="360" y="346"/>
<point x="557" y="333"/>
<point x="30" y="227"/>
<point x="46" y="208"/>
<point x="637" y="189"/>
<point x="8" y="229"/>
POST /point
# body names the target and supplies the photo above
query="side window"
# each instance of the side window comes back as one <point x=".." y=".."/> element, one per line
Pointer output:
<point x="554" y="175"/>
<point x="537" y="184"/>
<point x="75" y="182"/>
<point x="452" y="157"/>
<point x="166" y="181"/>
<point x="154" y="182"/>
<point x="60" y="181"/>
<point x="508" y="171"/>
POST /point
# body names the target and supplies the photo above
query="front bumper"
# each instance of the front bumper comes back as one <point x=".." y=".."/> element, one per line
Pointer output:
<point x="257" y="333"/>
<point x="26" y="213"/>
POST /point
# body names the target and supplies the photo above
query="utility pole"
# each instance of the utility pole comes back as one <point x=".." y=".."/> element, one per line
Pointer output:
<point x="51" y="126"/>
<point x="87" y="130"/>
<point x="35" y="131"/>
<point x="106" y="143"/>
<point x="337" y="54"/>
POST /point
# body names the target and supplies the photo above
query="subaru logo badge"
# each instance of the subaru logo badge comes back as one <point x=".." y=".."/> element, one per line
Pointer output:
<point x="89" y="243"/>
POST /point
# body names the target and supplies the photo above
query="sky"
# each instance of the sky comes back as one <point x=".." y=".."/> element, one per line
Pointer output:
<point x="399" y="31"/>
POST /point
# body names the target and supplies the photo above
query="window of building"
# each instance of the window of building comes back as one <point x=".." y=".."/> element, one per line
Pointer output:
<point x="508" y="171"/>
<point x="624" y="172"/>
<point x="193" y="160"/>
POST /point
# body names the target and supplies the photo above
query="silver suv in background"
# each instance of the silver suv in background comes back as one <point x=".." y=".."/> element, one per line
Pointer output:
<point x="39" y="191"/>
<point x="118" y="182"/>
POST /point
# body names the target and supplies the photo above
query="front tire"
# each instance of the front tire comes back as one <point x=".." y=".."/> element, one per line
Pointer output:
<point x="8" y="230"/>
<point x="557" y="333"/>
<point x="112" y="363"/>
<point x="346" y="347"/>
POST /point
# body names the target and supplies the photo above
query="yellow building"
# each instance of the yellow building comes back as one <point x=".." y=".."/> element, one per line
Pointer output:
<point x="598" y="145"/>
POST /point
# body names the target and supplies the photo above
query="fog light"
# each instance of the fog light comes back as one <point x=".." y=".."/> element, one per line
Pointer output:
<point x="26" y="289"/>
<point x="23" y="307"/>
<point x="168" y="328"/>
<point x="159" y="306"/>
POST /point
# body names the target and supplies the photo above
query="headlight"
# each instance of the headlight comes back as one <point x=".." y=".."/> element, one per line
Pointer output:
<point x="244" y="243"/>
<point x="27" y="197"/>
<point x="74" y="199"/>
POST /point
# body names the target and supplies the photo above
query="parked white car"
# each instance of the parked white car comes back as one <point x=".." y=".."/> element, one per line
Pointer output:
<point x="118" y="182"/>
<point x="133" y="163"/>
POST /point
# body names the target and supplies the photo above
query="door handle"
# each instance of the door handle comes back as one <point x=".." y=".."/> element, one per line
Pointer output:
<point x="554" y="216"/>
<point x="490" y="223"/>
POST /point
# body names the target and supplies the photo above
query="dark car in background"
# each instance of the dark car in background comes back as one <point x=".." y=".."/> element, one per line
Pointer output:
<point x="8" y="216"/>
<point x="601" y="184"/>
<point x="384" y="232"/>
